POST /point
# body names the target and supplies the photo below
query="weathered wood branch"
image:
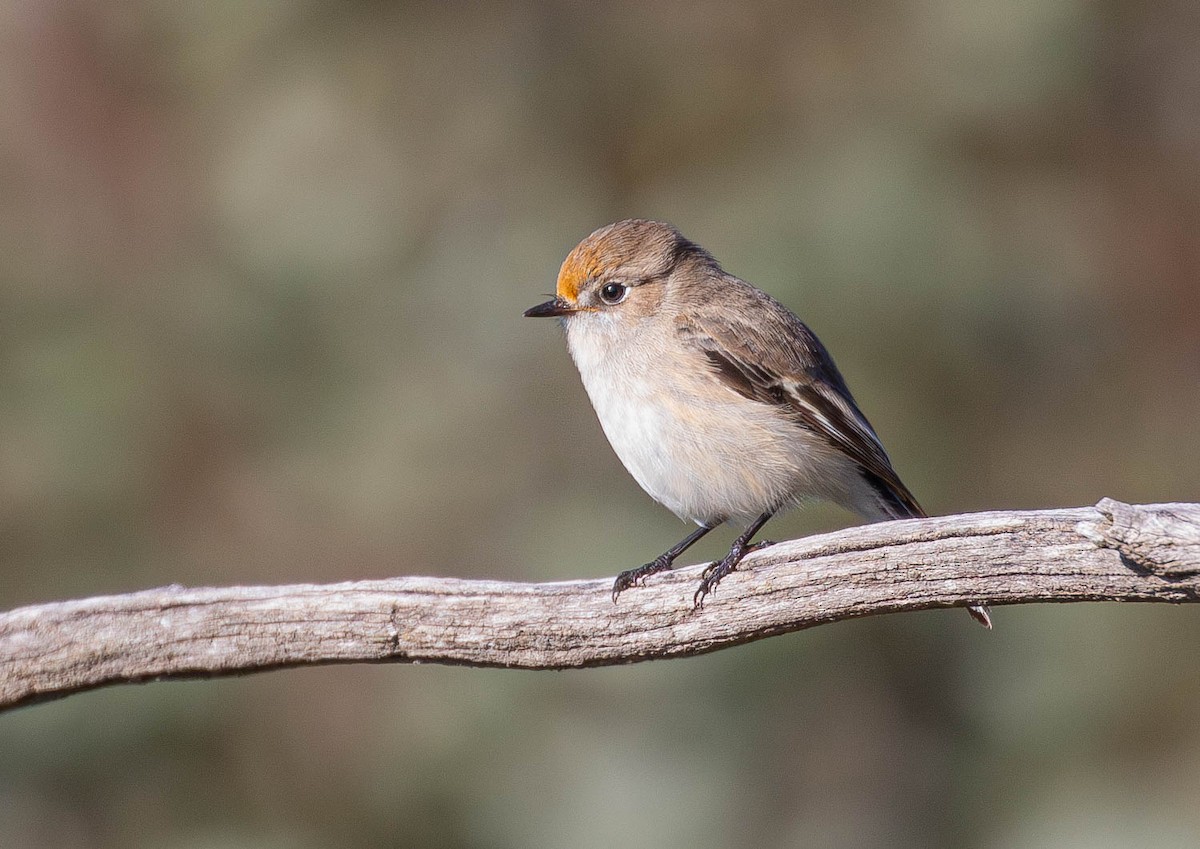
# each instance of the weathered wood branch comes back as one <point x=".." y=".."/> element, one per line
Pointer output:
<point x="1111" y="552"/>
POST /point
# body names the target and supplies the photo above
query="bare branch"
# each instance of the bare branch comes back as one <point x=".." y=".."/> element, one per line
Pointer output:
<point x="1111" y="552"/>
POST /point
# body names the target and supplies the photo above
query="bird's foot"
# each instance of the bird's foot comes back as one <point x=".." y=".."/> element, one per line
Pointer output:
<point x="714" y="572"/>
<point x="636" y="577"/>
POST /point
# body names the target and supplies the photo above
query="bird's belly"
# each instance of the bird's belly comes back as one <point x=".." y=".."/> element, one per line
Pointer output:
<point x="706" y="456"/>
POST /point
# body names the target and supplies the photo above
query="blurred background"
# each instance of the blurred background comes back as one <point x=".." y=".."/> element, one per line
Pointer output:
<point x="262" y="268"/>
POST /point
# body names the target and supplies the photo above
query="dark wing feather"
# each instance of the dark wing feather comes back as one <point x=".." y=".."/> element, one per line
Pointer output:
<point x="779" y="361"/>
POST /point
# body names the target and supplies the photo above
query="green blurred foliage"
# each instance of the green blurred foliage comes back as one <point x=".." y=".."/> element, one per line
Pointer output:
<point x="261" y="273"/>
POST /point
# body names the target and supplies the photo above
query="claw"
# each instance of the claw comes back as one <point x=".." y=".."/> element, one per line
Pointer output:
<point x="636" y="577"/>
<point x="664" y="561"/>
<point x="713" y="574"/>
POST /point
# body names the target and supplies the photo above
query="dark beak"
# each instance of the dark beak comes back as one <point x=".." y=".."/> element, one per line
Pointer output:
<point x="551" y="308"/>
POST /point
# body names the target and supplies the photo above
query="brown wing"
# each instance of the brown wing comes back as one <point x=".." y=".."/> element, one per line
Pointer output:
<point x="777" y="360"/>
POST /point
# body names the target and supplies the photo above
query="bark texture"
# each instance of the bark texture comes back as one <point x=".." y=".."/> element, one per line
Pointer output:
<point x="1110" y="552"/>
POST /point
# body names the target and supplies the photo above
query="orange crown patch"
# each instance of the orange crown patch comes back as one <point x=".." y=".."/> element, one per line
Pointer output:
<point x="580" y="265"/>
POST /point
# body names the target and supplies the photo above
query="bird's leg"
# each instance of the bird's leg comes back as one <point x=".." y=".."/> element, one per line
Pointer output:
<point x="716" y="571"/>
<point x="633" y="577"/>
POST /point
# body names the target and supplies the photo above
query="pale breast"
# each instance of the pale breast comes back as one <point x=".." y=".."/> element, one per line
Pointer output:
<point x="700" y="449"/>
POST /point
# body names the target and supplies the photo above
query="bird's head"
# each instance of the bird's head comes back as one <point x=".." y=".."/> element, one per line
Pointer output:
<point x="619" y="272"/>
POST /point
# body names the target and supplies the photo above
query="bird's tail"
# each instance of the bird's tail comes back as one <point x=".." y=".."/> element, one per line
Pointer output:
<point x="896" y="502"/>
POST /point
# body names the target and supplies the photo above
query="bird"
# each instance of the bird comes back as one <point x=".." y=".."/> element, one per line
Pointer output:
<point x="719" y="401"/>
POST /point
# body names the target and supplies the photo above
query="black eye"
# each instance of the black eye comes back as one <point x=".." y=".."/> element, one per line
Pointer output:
<point x="613" y="293"/>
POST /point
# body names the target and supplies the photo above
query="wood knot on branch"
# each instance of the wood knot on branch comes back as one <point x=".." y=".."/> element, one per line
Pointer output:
<point x="1158" y="539"/>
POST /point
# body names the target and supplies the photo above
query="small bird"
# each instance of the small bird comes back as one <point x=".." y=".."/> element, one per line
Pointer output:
<point x="719" y="401"/>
